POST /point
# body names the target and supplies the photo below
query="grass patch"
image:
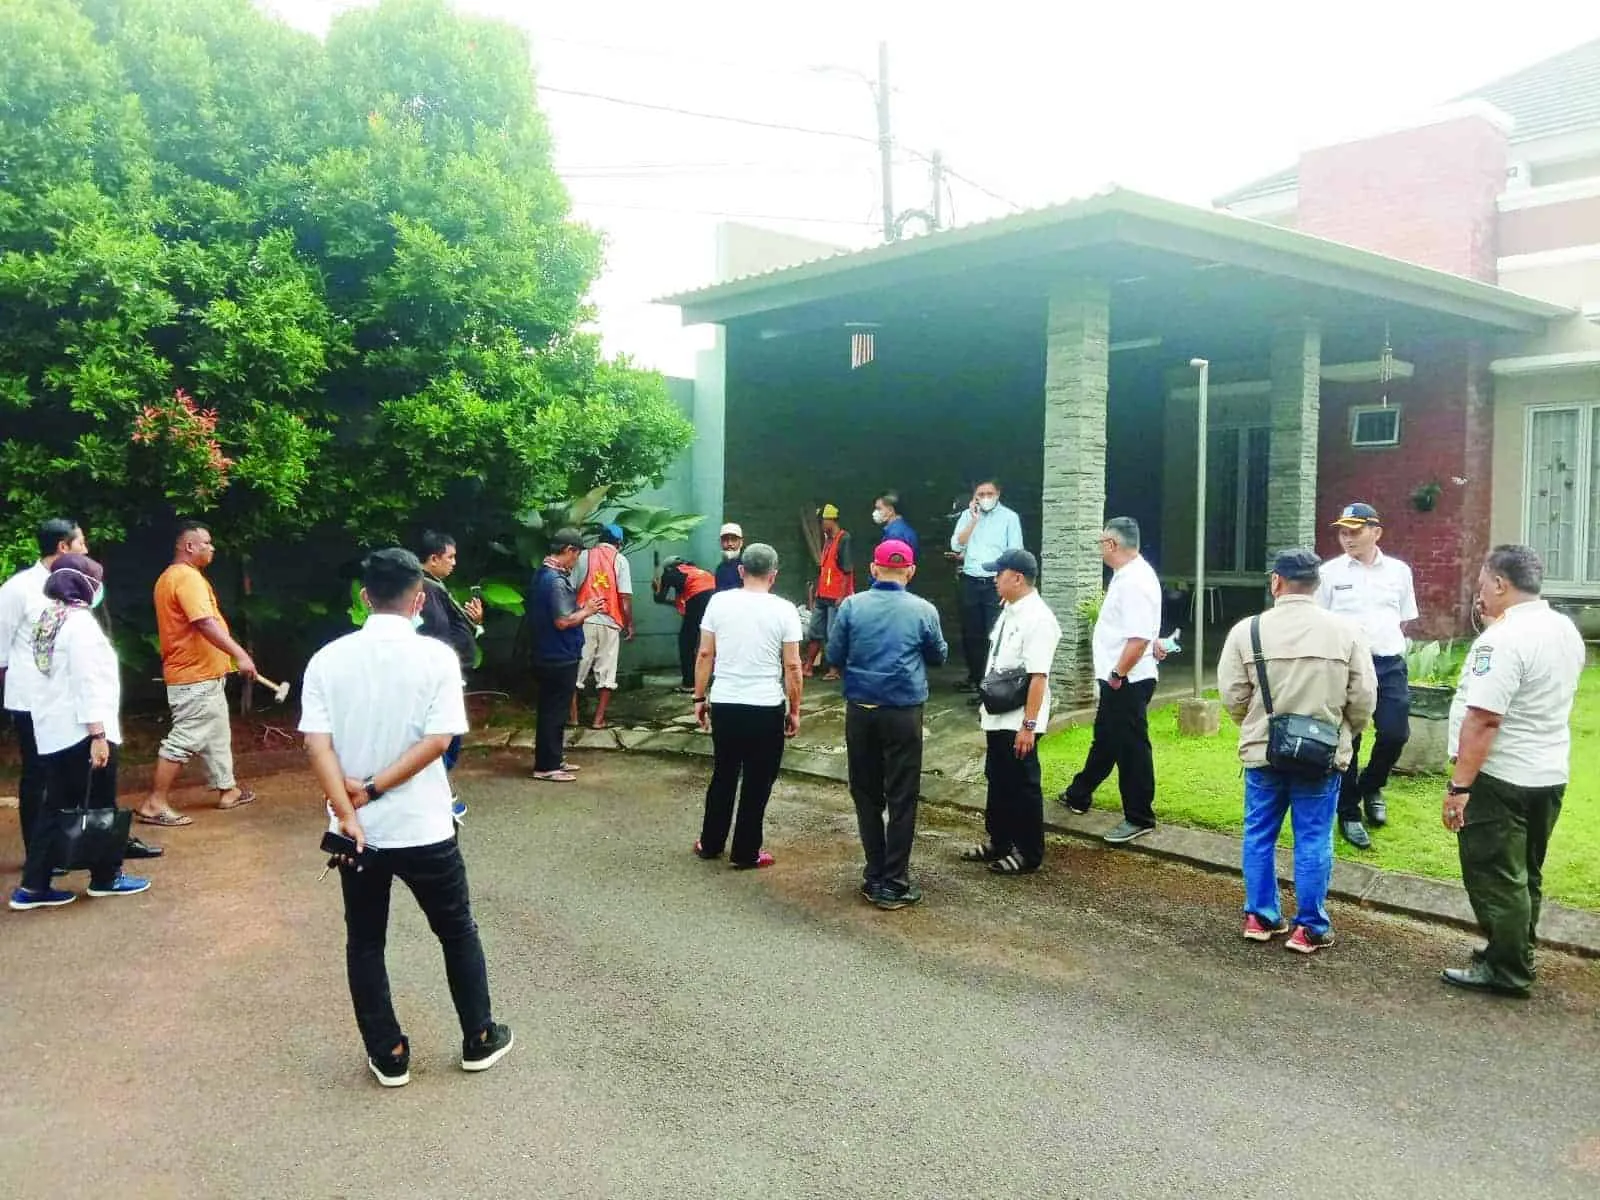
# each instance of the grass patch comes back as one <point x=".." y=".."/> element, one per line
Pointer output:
<point x="1199" y="782"/>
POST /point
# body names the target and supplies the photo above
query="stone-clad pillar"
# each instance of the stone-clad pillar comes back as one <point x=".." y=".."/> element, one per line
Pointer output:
<point x="1296" y="374"/>
<point x="1075" y="380"/>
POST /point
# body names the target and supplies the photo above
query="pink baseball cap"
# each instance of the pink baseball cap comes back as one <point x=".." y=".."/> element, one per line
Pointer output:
<point x="893" y="553"/>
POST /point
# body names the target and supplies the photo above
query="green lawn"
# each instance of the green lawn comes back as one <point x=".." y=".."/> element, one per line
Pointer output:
<point x="1199" y="782"/>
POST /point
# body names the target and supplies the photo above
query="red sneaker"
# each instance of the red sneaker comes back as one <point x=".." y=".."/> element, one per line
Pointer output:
<point x="763" y="859"/>
<point x="1303" y="941"/>
<point x="1257" y="930"/>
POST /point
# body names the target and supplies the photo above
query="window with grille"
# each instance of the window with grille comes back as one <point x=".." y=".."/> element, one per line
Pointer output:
<point x="1561" y="503"/>
<point x="1375" y="426"/>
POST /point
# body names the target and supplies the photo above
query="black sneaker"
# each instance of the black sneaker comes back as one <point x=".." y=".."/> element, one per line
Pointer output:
<point x="487" y="1048"/>
<point x="1073" y="803"/>
<point x="889" y="900"/>
<point x="392" y="1070"/>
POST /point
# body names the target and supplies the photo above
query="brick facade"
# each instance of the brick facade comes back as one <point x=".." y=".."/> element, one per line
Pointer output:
<point x="1426" y="195"/>
<point x="1445" y="434"/>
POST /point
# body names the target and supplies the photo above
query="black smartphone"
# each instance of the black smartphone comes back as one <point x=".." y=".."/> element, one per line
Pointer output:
<point x="477" y="592"/>
<point x="334" y="842"/>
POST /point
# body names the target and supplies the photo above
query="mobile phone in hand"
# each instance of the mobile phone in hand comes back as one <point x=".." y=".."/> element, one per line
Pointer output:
<point x="477" y="592"/>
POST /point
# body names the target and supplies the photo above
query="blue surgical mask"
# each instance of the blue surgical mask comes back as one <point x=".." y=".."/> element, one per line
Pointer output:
<point x="99" y="595"/>
<point x="416" y="620"/>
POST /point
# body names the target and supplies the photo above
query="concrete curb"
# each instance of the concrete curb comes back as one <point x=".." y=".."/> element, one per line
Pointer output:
<point x="1561" y="927"/>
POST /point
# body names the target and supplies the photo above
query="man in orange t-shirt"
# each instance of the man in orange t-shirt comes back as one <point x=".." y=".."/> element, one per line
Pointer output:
<point x="197" y="652"/>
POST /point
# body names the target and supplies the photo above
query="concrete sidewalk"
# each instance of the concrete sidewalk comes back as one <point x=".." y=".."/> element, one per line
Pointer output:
<point x="657" y="721"/>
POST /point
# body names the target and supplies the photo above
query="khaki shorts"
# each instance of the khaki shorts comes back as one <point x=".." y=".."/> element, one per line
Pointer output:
<point x="602" y="647"/>
<point x="201" y="728"/>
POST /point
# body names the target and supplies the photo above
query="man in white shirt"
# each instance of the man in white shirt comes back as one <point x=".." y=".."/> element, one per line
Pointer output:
<point x="22" y="599"/>
<point x="379" y="708"/>
<point x="1511" y="746"/>
<point x="750" y="642"/>
<point x="1125" y="668"/>
<point x="1375" y="591"/>
<point x="1025" y="635"/>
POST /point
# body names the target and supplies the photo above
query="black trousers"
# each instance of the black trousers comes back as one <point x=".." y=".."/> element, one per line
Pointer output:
<point x="69" y="778"/>
<point x="1013" y="814"/>
<point x="1121" y="740"/>
<point x="437" y="877"/>
<point x="980" y="608"/>
<point x="1391" y="725"/>
<point x="689" y="635"/>
<point x="747" y="745"/>
<point x="557" y="683"/>
<point x="884" y="747"/>
<point x="31" y="786"/>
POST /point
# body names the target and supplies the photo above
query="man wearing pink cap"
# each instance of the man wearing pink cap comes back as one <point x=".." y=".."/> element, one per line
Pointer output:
<point x="885" y="639"/>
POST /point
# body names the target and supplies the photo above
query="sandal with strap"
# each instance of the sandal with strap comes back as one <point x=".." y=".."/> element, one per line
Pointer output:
<point x="1013" y="864"/>
<point x="983" y="852"/>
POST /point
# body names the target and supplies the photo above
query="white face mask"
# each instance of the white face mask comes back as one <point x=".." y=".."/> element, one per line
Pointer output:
<point x="879" y="516"/>
<point x="987" y="504"/>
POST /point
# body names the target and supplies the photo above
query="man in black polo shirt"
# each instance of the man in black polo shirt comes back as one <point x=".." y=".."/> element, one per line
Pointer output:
<point x="556" y="626"/>
<point x="456" y="625"/>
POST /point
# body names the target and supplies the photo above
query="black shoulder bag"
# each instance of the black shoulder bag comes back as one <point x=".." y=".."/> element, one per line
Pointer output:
<point x="1302" y="745"/>
<point x="1006" y="690"/>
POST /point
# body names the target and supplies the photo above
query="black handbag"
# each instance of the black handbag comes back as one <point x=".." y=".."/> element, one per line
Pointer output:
<point x="87" y="838"/>
<point x="1297" y="744"/>
<point x="1006" y="690"/>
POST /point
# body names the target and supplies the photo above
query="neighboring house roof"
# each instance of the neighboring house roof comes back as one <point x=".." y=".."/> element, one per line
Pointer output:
<point x="1108" y="218"/>
<point x="1555" y="96"/>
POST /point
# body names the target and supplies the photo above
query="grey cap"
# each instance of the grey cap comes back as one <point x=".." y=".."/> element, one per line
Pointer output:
<point x="1297" y="566"/>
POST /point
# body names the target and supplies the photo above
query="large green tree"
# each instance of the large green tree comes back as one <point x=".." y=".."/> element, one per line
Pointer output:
<point x="286" y="283"/>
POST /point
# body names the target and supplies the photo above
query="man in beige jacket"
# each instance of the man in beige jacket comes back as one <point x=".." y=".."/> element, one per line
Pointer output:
<point x="1317" y="666"/>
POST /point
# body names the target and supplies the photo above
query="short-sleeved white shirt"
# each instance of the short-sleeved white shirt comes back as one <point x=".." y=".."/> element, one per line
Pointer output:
<point x="1379" y="598"/>
<point x="751" y="628"/>
<point x="1025" y="635"/>
<point x="1131" y="609"/>
<point x="379" y="691"/>
<point x="22" y="600"/>
<point x="1524" y="667"/>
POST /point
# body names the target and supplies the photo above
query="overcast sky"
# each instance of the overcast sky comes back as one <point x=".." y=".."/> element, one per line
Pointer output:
<point x="1169" y="96"/>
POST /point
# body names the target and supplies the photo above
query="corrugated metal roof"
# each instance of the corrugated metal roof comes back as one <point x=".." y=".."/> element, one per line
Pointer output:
<point x="1555" y="96"/>
<point x="1227" y="233"/>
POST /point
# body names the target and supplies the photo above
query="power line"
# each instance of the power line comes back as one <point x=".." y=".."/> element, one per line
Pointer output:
<point x="811" y="75"/>
<point x="971" y="183"/>
<point x="734" y="216"/>
<point x="710" y="116"/>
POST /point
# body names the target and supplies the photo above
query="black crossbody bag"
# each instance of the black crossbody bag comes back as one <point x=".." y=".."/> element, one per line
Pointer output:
<point x="1299" y="744"/>
<point x="1005" y="690"/>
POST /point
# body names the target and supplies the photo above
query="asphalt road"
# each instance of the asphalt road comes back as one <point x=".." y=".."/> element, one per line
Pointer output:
<point x="687" y="1031"/>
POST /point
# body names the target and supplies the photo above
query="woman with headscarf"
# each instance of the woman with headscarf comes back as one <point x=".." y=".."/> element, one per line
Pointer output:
<point x="75" y="724"/>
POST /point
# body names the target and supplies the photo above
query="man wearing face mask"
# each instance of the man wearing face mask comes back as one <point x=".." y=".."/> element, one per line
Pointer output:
<point x="727" y="573"/>
<point x="886" y="514"/>
<point x="985" y="532"/>
<point x="1375" y="591"/>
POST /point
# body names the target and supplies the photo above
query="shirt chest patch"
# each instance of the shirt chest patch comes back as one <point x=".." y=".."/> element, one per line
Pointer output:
<point x="1344" y="587"/>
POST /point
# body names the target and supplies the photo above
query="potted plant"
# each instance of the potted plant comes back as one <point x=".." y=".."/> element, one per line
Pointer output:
<point x="1432" y="670"/>
<point x="1426" y="496"/>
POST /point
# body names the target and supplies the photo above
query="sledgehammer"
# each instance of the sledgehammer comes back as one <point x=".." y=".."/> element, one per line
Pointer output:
<point x="280" y="691"/>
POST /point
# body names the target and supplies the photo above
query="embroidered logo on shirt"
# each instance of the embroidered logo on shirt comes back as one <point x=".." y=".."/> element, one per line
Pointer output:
<point x="1343" y="587"/>
<point x="1480" y="660"/>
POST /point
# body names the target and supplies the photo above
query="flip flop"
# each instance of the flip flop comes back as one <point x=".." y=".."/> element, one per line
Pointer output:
<point x="168" y="819"/>
<point x="555" y="777"/>
<point x="571" y="768"/>
<point x="246" y="796"/>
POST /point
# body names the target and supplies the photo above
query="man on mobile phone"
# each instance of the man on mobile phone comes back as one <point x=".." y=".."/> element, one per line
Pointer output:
<point x="456" y="625"/>
<point x="379" y="708"/>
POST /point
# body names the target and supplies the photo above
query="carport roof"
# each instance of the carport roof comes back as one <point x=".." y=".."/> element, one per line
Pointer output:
<point x="1108" y="218"/>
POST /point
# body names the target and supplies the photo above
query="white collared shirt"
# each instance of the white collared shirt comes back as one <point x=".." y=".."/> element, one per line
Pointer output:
<point x="378" y="692"/>
<point x="1524" y="667"/>
<point x="1131" y="609"/>
<point x="83" y="687"/>
<point x="1379" y="598"/>
<point x="1025" y="635"/>
<point x="22" y="599"/>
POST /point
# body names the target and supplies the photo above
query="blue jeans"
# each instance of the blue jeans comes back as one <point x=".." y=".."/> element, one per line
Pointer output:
<point x="1311" y="802"/>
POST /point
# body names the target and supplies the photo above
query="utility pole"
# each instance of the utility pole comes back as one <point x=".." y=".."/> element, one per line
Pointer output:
<point x="885" y="144"/>
<point x="936" y="176"/>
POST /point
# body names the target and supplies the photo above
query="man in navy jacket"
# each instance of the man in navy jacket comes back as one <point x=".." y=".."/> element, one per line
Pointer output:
<point x="885" y="639"/>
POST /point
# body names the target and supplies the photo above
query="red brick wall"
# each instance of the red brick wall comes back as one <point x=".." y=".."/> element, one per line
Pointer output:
<point x="1425" y="195"/>
<point x="1446" y="433"/>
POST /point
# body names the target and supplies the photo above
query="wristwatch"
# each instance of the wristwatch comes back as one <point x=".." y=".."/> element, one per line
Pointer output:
<point x="1118" y="675"/>
<point x="1030" y="724"/>
<point x="371" y="789"/>
<point x="1458" y="789"/>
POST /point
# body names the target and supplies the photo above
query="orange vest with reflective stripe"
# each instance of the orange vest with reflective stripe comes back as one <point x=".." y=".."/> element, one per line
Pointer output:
<point x="601" y="580"/>
<point x="832" y="583"/>
<point x="695" y="580"/>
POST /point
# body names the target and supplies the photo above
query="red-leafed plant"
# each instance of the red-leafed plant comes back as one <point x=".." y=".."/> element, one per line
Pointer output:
<point x="195" y="462"/>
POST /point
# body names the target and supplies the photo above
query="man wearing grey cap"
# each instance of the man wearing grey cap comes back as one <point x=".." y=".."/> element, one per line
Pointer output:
<point x="1300" y="683"/>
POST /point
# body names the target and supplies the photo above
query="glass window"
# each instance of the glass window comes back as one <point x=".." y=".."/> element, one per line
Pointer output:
<point x="1553" y="496"/>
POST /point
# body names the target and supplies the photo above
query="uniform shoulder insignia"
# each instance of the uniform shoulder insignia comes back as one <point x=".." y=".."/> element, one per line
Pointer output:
<point x="1482" y="659"/>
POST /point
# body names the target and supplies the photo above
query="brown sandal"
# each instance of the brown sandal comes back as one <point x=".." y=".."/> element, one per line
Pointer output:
<point x="246" y="796"/>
